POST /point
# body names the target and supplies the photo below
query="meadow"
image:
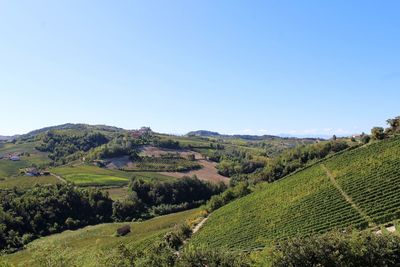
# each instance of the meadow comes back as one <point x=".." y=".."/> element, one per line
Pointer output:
<point x="24" y="182"/>
<point x="89" y="175"/>
<point x="83" y="246"/>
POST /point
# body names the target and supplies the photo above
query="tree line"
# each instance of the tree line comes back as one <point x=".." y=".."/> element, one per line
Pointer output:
<point x="43" y="210"/>
<point x="148" y="198"/>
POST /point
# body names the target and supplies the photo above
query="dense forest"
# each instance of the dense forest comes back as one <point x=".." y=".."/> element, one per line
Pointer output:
<point x="149" y="199"/>
<point x="40" y="211"/>
<point x="44" y="210"/>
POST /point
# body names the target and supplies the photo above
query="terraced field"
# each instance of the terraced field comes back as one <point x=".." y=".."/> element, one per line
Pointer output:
<point x="84" y="245"/>
<point x="358" y="188"/>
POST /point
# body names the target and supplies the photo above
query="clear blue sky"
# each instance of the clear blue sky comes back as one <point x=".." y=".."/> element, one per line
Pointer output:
<point x="300" y="67"/>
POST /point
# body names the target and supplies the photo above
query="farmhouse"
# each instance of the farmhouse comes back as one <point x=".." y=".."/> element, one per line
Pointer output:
<point x="32" y="172"/>
<point x="15" y="158"/>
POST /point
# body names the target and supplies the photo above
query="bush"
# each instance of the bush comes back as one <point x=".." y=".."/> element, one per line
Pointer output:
<point x="200" y="257"/>
<point x="338" y="249"/>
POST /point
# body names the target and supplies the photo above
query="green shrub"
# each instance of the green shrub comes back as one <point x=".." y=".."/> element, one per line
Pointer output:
<point x="202" y="257"/>
<point x="338" y="249"/>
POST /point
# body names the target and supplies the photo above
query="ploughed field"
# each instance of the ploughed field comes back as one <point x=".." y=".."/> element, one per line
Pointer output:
<point x="358" y="188"/>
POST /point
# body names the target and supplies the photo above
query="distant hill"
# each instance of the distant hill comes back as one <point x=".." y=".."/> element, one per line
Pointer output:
<point x="74" y="126"/>
<point x="357" y="188"/>
<point x="205" y="133"/>
<point x="5" y="138"/>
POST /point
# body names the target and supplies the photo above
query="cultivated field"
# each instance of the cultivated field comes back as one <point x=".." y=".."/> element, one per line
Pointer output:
<point x="86" y="175"/>
<point x="358" y="189"/>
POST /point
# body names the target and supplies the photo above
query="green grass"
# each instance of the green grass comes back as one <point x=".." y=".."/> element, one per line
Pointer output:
<point x="116" y="193"/>
<point x="85" y="244"/>
<point x="152" y="176"/>
<point x="27" y="182"/>
<point x="10" y="168"/>
<point x="308" y="202"/>
<point x="88" y="175"/>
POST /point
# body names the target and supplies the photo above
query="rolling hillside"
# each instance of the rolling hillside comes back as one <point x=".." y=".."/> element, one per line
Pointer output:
<point x="82" y="247"/>
<point x="358" y="188"/>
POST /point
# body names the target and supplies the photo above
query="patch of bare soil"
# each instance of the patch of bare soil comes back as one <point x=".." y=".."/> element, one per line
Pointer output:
<point x="118" y="163"/>
<point x="208" y="172"/>
<point x="151" y="151"/>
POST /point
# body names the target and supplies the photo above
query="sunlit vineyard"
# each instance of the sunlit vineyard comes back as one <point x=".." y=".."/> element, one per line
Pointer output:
<point x="308" y="202"/>
<point x="371" y="177"/>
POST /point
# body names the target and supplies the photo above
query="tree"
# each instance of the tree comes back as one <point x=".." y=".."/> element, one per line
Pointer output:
<point x="365" y="139"/>
<point x="334" y="138"/>
<point x="394" y="125"/>
<point x="377" y="133"/>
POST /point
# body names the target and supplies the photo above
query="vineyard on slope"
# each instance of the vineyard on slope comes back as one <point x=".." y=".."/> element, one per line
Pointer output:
<point x="308" y="202"/>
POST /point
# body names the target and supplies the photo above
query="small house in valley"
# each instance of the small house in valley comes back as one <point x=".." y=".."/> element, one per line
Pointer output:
<point x="32" y="172"/>
<point x="15" y="158"/>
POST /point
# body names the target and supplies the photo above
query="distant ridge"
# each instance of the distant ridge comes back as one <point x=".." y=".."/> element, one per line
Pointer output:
<point x="6" y="138"/>
<point x="73" y="126"/>
<point x="205" y="133"/>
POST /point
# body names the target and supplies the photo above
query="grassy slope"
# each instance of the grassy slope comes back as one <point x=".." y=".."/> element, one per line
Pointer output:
<point x="91" y="175"/>
<point x="10" y="168"/>
<point x="27" y="182"/>
<point x="83" y="245"/>
<point x="308" y="202"/>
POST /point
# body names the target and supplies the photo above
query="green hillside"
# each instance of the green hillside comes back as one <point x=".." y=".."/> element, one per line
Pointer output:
<point x="10" y="168"/>
<point x="89" y="175"/>
<point x="83" y="246"/>
<point x="358" y="188"/>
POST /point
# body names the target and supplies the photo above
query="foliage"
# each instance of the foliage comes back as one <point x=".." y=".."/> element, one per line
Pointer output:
<point x="201" y="257"/>
<point x="150" y="198"/>
<point x="307" y="202"/>
<point x="168" y="143"/>
<point x="123" y="145"/>
<point x="187" y="189"/>
<point x="165" y="253"/>
<point x="377" y="133"/>
<point x="62" y="145"/>
<point x="338" y="249"/>
<point x="40" y="211"/>
<point x="92" y="245"/>
<point x="296" y="158"/>
<point x="232" y="193"/>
